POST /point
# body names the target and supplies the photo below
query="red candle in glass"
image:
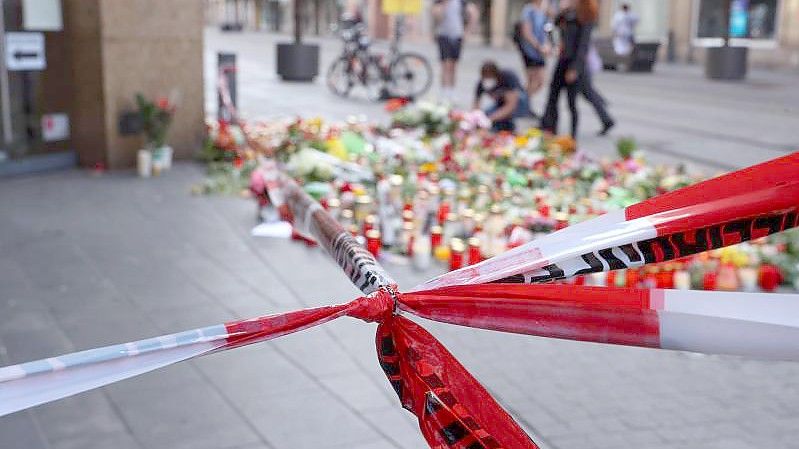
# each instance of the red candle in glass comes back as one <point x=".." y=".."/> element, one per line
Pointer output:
<point x="769" y="277"/>
<point x="666" y="279"/>
<point x="368" y="223"/>
<point x="435" y="237"/>
<point x="610" y="280"/>
<point x="373" y="242"/>
<point x="543" y="209"/>
<point x="632" y="278"/>
<point x="456" y="254"/>
<point x="474" y="251"/>
<point x="709" y="281"/>
<point x="443" y="211"/>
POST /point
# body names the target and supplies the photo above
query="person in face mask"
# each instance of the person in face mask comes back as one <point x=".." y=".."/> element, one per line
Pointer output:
<point x="507" y="94"/>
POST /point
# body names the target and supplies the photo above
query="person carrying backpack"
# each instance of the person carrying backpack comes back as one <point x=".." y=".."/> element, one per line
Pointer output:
<point x="531" y="39"/>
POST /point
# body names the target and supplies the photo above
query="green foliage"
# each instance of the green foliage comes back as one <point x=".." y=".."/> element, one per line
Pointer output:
<point x="626" y="146"/>
<point x="212" y="153"/>
<point x="156" y="119"/>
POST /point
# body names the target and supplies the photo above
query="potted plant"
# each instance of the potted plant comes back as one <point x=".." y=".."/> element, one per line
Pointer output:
<point x="156" y="117"/>
<point x="726" y="62"/>
<point x="297" y="61"/>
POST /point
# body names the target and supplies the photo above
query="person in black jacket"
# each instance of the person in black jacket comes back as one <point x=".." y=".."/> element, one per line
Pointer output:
<point x="575" y="21"/>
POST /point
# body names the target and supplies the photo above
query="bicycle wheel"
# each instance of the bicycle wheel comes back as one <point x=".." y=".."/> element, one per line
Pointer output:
<point x="340" y="78"/>
<point x="372" y="78"/>
<point x="410" y="75"/>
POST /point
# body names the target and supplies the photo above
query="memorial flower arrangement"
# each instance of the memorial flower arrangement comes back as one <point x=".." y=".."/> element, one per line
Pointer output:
<point x="438" y="184"/>
<point x="156" y="119"/>
<point x="229" y="161"/>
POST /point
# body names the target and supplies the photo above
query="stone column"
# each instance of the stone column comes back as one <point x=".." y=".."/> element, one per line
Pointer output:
<point x="499" y="25"/>
<point x="120" y="47"/>
<point x="789" y="31"/>
<point x="681" y="20"/>
<point x="606" y="11"/>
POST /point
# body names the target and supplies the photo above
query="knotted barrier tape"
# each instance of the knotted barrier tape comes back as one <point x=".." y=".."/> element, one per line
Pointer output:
<point x="454" y="410"/>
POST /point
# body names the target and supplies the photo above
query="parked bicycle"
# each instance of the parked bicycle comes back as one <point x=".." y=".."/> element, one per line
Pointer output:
<point x="397" y="74"/>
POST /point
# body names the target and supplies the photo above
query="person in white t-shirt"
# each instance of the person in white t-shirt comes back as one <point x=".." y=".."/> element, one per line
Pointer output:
<point x="624" y="23"/>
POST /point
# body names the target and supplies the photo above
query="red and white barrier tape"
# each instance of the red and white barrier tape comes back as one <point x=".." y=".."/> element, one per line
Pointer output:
<point x="453" y="409"/>
<point x="743" y="205"/>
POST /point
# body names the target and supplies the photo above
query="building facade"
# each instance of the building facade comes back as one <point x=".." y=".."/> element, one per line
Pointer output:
<point x="770" y="28"/>
<point x="83" y="61"/>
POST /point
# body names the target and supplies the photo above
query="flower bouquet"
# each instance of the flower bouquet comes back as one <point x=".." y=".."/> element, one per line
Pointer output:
<point x="156" y="118"/>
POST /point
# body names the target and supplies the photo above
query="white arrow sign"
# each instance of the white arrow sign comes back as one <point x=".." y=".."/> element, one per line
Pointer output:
<point x="25" y="51"/>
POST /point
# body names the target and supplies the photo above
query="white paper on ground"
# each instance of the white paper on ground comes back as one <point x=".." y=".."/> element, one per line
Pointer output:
<point x="278" y="229"/>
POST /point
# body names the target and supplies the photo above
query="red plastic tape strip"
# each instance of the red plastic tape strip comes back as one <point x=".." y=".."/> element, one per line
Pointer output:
<point x="597" y="314"/>
<point x="245" y="332"/>
<point x="772" y="186"/>
<point x="453" y="409"/>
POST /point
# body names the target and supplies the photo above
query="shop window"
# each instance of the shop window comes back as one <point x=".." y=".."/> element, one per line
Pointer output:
<point x="653" y="18"/>
<point x="748" y="19"/>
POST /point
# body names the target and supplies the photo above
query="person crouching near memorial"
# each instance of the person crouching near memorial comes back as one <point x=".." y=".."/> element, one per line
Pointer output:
<point x="507" y="94"/>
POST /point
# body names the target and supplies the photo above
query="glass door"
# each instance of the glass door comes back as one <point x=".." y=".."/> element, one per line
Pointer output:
<point x="16" y="88"/>
<point x="33" y="93"/>
<point x="6" y="134"/>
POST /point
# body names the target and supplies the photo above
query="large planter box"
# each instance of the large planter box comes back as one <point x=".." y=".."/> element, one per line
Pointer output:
<point x="297" y="62"/>
<point x="641" y="59"/>
<point x="726" y="63"/>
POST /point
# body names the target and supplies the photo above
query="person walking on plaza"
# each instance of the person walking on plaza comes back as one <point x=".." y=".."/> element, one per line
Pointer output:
<point x="508" y="96"/>
<point x="452" y="19"/>
<point x="575" y="22"/>
<point x="624" y="23"/>
<point x="531" y="38"/>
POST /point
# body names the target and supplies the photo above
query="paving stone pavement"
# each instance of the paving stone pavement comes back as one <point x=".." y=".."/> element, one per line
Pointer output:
<point x="88" y="261"/>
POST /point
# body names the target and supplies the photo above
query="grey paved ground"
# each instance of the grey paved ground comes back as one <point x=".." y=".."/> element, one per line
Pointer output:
<point x="675" y="114"/>
<point x="88" y="261"/>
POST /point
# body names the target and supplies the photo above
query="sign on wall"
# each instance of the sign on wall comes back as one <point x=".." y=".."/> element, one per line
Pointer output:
<point x="25" y="51"/>
<point x="42" y="15"/>
<point x="55" y="127"/>
<point x="407" y="7"/>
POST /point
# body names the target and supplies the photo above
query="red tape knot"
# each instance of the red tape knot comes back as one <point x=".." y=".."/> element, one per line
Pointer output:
<point x="375" y="307"/>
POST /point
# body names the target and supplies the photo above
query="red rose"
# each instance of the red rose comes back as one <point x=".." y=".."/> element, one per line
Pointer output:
<point x="769" y="277"/>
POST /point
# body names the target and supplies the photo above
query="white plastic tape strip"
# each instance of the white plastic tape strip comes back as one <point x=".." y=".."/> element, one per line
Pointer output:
<point x="32" y="383"/>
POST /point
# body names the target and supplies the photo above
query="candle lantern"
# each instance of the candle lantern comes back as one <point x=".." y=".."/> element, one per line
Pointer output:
<point x="334" y="207"/>
<point x="406" y="238"/>
<point x="456" y="254"/>
<point x="363" y="207"/>
<point x="346" y="218"/>
<point x="373" y="242"/>
<point x="436" y="236"/>
<point x="474" y="251"/>
<point x="369" y="223"/>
